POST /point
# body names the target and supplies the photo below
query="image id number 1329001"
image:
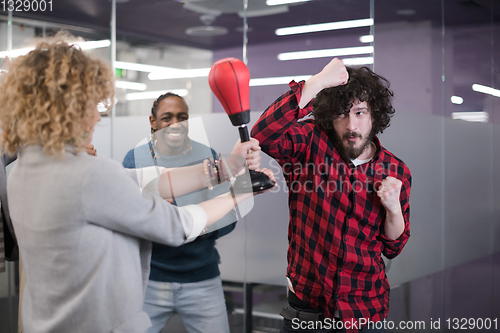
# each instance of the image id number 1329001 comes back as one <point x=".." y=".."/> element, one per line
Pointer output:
<point x="26" y="5"/>
<point x="472" y="323"/>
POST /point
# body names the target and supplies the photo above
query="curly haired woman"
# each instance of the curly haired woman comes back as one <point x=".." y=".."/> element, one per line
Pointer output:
<point x="84" y="230"/>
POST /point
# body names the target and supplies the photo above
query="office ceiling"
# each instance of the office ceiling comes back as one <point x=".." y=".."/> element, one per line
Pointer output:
<point x="150" y="21"/>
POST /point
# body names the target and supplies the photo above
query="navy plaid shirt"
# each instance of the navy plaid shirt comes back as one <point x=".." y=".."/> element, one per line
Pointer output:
<point x="336" y="235"/>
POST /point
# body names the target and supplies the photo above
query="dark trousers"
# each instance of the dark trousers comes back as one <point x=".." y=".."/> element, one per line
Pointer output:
<point x="325" y="326"/>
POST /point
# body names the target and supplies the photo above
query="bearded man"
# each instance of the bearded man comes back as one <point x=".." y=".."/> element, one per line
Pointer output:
<point x="348" y="197"/>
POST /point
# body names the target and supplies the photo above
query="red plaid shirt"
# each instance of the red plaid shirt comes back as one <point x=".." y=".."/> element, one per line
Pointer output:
<point x="336" y="234"/>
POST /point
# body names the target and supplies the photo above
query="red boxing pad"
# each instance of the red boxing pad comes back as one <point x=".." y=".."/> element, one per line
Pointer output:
<point x="229" y="80"/>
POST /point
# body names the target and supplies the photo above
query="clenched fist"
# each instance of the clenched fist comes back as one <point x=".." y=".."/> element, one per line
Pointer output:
<point x="334" y="74"/>
<point x="389" y="192"/>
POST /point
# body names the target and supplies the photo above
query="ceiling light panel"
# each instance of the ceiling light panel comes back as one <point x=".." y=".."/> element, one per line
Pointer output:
<point x="270" y="81"/>
<point x="357" y="61"/>
<point x="179" y="74"/>
<point x="457" y="100"/>
<point x="163" y="73"/>
<point x="486" y="90"/>
<point x="324" y="27"/>
<point x="325" y="53"/>
<point x="477" y="117"/>
<point x="96" y="44"/>
<point x="366" y="39"/>
<point x="283" y="2"/>
<point x="132" y="66"/>
<point x="131" y="85"/>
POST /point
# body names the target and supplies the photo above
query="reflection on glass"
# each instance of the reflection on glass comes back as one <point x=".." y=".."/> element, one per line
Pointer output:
<point x="159" y="68"/>
<point x="177" y="142"/>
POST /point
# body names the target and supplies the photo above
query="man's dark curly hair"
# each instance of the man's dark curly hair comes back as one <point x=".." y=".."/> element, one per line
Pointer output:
<point x="363" y="84"/>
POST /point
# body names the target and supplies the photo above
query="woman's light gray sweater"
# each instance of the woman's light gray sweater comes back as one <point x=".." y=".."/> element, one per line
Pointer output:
<point x="84" y="233"/>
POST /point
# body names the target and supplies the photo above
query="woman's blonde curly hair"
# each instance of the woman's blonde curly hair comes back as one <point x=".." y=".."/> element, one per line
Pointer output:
<point x="49" y="97"/>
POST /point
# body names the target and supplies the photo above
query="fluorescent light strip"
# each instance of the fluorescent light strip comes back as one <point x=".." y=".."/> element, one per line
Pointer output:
<point x="179" y="74"/>
<point x="16" y="53"/>
<point x="154" y="94"/>
<point x="131" y="85"/>
<point x="161" y="72"/>
<point x="457" y="100"/>
<point x="486" y="90"/>
<point x="324" y="27"/>
<point x="132" y="66"/>
<point x="96" y="44"/>
<point x="481" y="117"/>
<point x="270" y="81"/>
<point x="283" y="2"/>
<point x="325" y="53"/>
<point x="366" y="39"/>
<point x="83" y="45"/>
<point x="357" y="61"/>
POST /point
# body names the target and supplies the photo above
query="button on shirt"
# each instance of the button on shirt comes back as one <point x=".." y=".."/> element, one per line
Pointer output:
<point x="336" y="235"/>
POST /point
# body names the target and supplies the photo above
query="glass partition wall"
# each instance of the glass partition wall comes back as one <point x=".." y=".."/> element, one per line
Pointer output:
<point x="472" y="215"/>
<point x="442" y="61"/>
<point x="294" y="42"/>
<point x="442" y="64"/>
<point x="441" y="58"/>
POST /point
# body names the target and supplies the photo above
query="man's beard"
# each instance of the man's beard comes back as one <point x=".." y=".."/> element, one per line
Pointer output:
<point x="349" y="152"/>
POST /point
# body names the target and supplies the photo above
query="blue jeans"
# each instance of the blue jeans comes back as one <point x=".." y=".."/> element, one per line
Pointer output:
<point x="200" y="305"/>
